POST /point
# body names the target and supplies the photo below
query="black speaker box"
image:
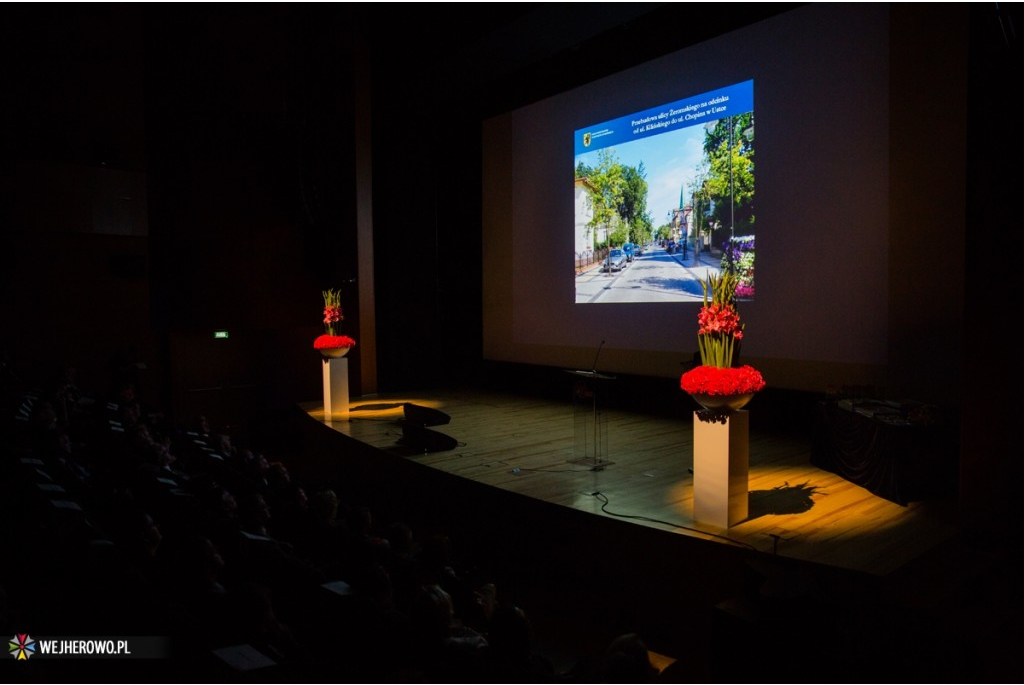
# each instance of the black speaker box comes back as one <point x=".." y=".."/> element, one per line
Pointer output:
<point x="422" y="439"/>
<point x="424" y="416"/>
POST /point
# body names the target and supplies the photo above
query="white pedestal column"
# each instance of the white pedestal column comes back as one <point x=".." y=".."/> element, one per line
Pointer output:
<point x="336" y="389"/>
<point x="720" y="468"/>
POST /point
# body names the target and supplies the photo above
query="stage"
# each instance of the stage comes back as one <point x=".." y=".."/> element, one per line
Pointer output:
<point x="525" y="446"/>
<point x="594" y="552"/>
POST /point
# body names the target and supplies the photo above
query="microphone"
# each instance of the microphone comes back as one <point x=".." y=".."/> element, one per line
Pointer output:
<point x="593" y="368"/>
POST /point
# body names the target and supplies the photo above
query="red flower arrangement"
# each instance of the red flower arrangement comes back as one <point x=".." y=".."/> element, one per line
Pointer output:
<point x="332" y="315"/>
<point x="719" y="330"/>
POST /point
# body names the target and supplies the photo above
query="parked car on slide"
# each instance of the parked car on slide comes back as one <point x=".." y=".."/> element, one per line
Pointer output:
<point x="615" y="261"/>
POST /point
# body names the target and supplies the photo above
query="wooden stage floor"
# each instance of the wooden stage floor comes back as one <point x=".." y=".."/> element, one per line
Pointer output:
<point x="528" y="446"/>
<point x="823" y="577"/>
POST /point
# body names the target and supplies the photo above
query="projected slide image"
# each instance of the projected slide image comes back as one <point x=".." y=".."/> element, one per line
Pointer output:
<point x="665" y="196"/>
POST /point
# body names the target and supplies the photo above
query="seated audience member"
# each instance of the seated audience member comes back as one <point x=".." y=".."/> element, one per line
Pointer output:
<point x="362" y="543"/>
<point x="278" y="478"/>
<point x="444" y="649"/>
<point x="252" y="618"/>
<point x="325" y="542"/>
<point x="267" y="559"/>
<point x="293" y="521"/>
<point x="511" y="656"/>
<point x="197" y="600"/>
<point x="626" y="660"/>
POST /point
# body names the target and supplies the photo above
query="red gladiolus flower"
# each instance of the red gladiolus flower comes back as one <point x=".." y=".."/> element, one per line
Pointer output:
<point x="718" y="319"/>
<point x="332" y="315"/>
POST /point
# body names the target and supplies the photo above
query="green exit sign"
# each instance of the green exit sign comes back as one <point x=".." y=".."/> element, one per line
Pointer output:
<point x="220" y="334"/>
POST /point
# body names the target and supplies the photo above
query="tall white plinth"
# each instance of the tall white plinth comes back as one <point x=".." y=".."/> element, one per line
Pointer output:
<point x="336" y="389"/>
<point x="721" y="463"/>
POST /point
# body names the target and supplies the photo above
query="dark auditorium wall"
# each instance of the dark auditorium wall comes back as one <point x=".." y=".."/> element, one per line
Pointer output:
<point x="230" y="130"/>
<point x="75" y="261"/>
<point x="249" y="141"/>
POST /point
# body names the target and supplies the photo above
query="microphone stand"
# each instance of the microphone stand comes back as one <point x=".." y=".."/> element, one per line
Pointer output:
<point x="593" y="367"/>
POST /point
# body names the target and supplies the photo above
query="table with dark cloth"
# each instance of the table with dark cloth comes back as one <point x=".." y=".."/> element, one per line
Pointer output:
<point x="904" y="456"/>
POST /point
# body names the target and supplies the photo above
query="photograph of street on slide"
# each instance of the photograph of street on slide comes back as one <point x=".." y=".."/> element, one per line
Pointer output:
<point x="664" y="197"/>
